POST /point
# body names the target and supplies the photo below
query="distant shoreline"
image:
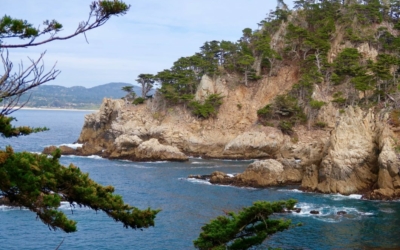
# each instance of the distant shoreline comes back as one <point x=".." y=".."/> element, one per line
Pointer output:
<point x="55" y="109"/>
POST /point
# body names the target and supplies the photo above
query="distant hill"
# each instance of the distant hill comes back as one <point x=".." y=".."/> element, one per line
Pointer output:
<point x="78" y="97"/>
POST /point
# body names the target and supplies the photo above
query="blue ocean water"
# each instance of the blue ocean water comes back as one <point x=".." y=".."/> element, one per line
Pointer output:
<point x="186" y="204"/>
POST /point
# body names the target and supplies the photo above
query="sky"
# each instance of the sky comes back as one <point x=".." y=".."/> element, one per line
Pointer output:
<point x="148" y="39"/>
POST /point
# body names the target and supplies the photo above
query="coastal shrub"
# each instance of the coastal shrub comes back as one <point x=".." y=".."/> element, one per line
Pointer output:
<point x="338" y="98"/>
<point x="286" y="105"/>
<point x="139" y="100"/>
<point x="320" y="124"/>
<point x="207" y="109"/>
<point x="264" y="114"/>
<point x="239" y="106"/>
<point x="286" y="127"/>
<point x="316" y="104"/>
<point x="285" y="108"/>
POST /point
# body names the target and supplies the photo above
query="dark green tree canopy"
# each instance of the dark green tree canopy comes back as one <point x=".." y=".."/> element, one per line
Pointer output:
<point x="147" y="82"/>
<point x="247" y="228"/>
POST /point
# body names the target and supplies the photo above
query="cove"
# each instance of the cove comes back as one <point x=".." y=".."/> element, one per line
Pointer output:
<point x="186" y="204"/>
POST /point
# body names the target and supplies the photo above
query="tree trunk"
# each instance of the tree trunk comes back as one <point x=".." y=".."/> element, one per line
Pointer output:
<point x="257" y="65"/>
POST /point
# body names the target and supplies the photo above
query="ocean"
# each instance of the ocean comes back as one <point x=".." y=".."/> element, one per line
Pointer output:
<point x="187" y="204"/>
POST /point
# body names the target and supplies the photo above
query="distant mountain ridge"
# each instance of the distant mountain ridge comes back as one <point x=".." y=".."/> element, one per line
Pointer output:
<point x="77" y="97"/>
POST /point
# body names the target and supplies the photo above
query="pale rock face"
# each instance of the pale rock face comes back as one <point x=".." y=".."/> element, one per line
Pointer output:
<point x="264" y="173"/>
<point x="350" y="163"/>
<point x="154" y="150"/>
<point x="209" y="86"/>
<point x="328" y="114"/>
<point x="305" y="153"/>
<point x="389" y="166"/>
<point x="206" y="87"/>
<point x="127" y="141"/>
<point x="132" y="127"/>
<point x="310" y="178"/>
<point x="367" y="51"/>
<point x="255" y="143"/>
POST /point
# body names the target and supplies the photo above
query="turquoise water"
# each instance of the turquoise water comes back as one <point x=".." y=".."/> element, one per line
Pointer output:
<point x="186" y="204"/>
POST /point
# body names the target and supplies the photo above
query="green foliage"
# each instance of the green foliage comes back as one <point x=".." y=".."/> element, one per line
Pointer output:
<point x="307" y="41"/>
<point x="320" y="124"/>
<point x="286" y="127"/>
<point x="115" y="7"/>
<point x="128" y="89"/>
<point x="147" y="82"/>
<point x="284" y="107"/>
<point x="347" y="62"/>
<point x="264" y="114"/>
<point x="19" y="28"/>
<point x="39" y="183"/>
<point x="209" y="108"/>
<point x="368" y="13"/>
<point x="8" y="130"/>
<point x="338" y="98"/>
<point x="245" y="229"/>
<point x="10" y="27"/>
<point x="139" y="100"/>
<point x="316" y="104"/>
<point x="130" y="93"/>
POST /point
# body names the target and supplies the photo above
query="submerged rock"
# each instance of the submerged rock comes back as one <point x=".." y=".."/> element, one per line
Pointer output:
<point x="65" y="150"/>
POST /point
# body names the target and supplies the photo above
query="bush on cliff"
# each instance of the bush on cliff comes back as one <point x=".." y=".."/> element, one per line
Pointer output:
<point x="137" y="101"/>
<point x="207" y="109"/>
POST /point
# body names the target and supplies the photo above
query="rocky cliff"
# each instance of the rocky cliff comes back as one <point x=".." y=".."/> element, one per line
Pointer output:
<point x="118" y="130"/>
<point x="354" y="154"/>
<point x="317" y="67"/>
<point x="357" y="157"/>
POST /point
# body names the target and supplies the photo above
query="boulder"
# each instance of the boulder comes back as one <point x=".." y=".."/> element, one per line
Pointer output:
<point x="127" y="141"/>
<point x="255" y="144"/>
<point x="265" y="173"/>
<point x="153" y="150"/>
<point x="49" y="150"/>
<point x="65" y="150"/>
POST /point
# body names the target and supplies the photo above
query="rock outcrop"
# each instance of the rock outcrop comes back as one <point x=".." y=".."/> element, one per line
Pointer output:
<point x="350" y="163"/>
<point x="353" y="154"/>
<point x="124" y="131"/>
<point x="270" y="172"/>
<point x="357" y="157"/>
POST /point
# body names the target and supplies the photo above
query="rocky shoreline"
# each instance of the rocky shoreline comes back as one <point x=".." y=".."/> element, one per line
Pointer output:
<point x="354" y="154"/>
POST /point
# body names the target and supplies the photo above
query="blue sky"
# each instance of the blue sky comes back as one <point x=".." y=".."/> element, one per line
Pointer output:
<point x="148" y="39"/>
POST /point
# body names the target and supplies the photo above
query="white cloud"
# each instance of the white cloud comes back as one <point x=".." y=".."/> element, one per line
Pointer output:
<point x="148" y="39"/>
